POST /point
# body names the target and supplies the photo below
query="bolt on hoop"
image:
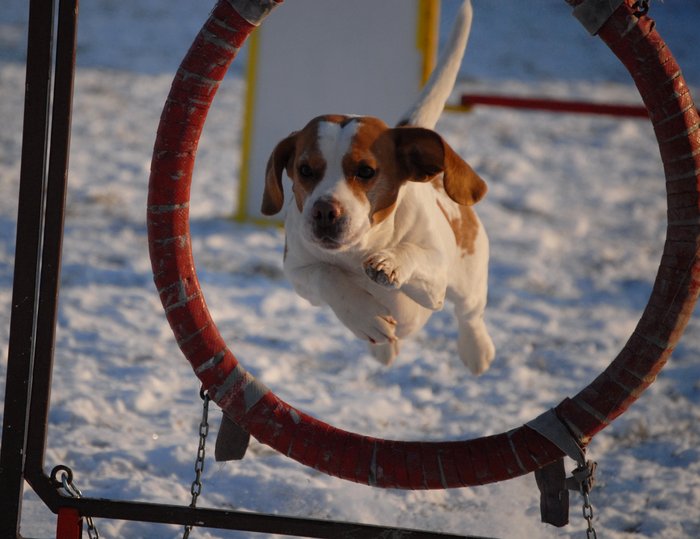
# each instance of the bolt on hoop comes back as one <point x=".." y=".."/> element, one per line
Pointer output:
<point x="418" y="464"/>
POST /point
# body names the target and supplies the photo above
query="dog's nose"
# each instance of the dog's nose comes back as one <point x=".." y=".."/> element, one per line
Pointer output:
<point x="326" y="213"/>
<point x="328" y="222"/>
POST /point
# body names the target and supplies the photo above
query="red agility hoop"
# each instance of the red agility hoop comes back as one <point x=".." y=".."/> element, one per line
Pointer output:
<point x="413" y="464"/>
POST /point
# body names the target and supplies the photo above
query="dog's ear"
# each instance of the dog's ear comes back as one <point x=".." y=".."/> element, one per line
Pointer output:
<point x="424" y="154"/>
<point x="273" y="195"/>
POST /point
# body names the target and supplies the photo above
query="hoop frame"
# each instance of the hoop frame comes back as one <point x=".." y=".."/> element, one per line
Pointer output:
<point x="417" y="464"/>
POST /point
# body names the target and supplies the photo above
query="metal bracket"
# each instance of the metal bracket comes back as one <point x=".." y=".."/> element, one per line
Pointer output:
<point x="551" y="427"/>
<point x="254" y="12"/>
<point x="593" y="14"/>
<point x="551" y="480"/>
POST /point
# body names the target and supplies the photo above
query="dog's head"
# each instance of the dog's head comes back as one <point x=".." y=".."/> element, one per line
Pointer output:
<point x="347" y="172"/>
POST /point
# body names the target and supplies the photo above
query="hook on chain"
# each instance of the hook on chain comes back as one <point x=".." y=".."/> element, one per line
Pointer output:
<point x="62" y="478"/>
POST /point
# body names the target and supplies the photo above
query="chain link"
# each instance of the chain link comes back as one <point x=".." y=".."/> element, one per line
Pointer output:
<point x="585" y="475"/>
<point x="196" y="488"/>
<point x="66" y="482"/>
<point x="588" y="515"/>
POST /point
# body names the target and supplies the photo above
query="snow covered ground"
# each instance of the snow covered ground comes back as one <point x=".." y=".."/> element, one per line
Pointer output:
<point x="576" y="216"/>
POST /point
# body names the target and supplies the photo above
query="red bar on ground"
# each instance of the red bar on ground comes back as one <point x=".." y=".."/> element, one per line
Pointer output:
<point x="554" y="105"/>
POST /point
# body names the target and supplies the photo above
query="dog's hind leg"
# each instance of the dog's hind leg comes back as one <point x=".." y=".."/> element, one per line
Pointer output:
<point x="474" y="344"/>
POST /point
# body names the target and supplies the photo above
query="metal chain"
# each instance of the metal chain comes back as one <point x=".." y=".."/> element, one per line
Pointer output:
<point x="585" y="476"/>
<point x="66" y="482"/>
<point x="588" y="515"/>
<point x="196" y="488"/>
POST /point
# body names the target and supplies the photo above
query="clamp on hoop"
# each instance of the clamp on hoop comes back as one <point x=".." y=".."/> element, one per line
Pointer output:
<point x="593" y="14"/>
<point x="253" y="12"/>
<point x="551" y="479"/>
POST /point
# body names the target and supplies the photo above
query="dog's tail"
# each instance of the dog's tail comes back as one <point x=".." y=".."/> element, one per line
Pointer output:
<point x="431" y="101"/>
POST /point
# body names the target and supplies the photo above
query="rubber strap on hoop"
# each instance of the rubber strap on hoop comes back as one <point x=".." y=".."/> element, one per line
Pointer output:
<point x="410" y="464"/>
<point x="593" y="14"/>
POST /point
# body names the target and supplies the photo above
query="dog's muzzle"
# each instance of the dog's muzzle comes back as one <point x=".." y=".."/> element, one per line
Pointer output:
<point x="328" y="222"/>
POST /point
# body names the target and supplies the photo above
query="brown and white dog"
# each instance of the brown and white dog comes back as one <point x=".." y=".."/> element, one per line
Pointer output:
<point x="381" y="227"/>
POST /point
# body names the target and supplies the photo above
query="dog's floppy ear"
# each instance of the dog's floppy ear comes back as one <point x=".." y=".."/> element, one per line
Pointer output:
<point x="273" y="195"/>
<point x="424" y="154"/>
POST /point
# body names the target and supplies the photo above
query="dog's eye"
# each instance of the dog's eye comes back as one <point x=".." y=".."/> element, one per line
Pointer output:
<point x="305" y="171"/>
<point x="365" y="172"/>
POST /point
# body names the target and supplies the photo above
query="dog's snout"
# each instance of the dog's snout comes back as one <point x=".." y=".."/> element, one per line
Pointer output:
<point x="326" y="213"/>
<point x="328" y="222"/>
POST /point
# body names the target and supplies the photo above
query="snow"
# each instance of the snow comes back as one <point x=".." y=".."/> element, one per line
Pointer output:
<point x="576" y="217"/>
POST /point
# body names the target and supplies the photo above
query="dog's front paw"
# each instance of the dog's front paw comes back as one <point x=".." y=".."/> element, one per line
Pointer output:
<point x="382" y="269"/>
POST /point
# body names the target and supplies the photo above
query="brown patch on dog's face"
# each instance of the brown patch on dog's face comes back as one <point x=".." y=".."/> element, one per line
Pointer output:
<point x="308" y="166"/>
<point x="371" y="170"/>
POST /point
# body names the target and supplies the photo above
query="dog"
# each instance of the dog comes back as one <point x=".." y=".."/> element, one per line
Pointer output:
<point x="380" y="224"/>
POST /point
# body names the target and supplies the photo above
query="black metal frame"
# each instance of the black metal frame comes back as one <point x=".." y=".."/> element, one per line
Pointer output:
<point x="40" y="217"/>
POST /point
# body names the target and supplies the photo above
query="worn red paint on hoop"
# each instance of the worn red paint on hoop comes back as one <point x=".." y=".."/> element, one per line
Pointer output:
<point x="421" y="465"/>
